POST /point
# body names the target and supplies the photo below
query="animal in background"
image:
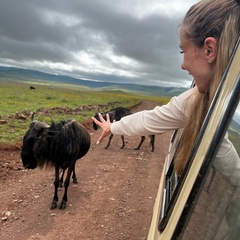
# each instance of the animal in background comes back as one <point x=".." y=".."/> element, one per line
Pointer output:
<point x="58" y="145"/>
<point x="152" y="140"/>
<point x="116" y="114"/>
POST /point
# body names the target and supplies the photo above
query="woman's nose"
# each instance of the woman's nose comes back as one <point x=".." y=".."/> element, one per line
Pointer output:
<point x="182" y="66"/>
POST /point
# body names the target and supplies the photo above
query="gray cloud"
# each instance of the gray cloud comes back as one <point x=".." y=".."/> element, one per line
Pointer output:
<point x="132" y="41"/>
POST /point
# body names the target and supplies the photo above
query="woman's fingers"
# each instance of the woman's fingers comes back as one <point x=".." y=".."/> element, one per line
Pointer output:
<point x="95" y="120"/>
<point x="101" y="117"/>
<point x="105" y="133"/>
<point x="108" y="118"/>
<point x="99" y="140"/>
<point x="102" y="120"/>
<point x="104" y="125"/>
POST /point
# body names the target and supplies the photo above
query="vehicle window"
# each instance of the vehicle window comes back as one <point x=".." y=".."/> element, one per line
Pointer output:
<point x="234" y="130"/>
<point x="171" y="180"/>
<point x="216" y="213"/>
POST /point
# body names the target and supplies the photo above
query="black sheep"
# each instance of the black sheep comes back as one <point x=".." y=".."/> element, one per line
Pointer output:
<point x="58" y="145"/>
<point x="116" y="114"/>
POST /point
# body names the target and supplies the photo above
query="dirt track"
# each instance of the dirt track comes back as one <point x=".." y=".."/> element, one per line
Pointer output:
<point x="113" y="199"/>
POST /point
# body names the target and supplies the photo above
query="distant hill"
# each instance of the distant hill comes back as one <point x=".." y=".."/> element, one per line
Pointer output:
<point x="37" y="77"/>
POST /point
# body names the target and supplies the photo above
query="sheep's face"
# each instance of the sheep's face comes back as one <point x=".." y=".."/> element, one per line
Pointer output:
<point x="27" y="154"/>
<point x="28" y="159"/>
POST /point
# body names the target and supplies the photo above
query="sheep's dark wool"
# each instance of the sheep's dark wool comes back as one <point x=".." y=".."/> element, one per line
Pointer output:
<point x="115" y="115"/>
<point x="58" y="145"/>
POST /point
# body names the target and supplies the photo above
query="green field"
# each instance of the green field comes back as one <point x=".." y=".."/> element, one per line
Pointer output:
<point x="17" y="98"/>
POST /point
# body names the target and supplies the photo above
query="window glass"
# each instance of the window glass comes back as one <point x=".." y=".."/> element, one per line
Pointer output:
<point x="171" y="180"/>
<point x="234" y="129"/>
<point x="216" y="214"/>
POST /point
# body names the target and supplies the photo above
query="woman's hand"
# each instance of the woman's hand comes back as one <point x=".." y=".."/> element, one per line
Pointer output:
<point x="104" y="125"/>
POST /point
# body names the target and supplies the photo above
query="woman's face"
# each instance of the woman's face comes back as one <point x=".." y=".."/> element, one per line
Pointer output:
<point x="195" y="61"/>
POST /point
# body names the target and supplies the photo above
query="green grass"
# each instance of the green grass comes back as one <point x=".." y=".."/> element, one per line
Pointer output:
<point x="18" y="98"/>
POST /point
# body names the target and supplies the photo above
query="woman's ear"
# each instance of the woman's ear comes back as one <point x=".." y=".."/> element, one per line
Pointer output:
<point x="211" y="46"/>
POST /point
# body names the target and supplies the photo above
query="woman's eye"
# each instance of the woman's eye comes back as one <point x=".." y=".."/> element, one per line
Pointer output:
<point x="181" y="52"/>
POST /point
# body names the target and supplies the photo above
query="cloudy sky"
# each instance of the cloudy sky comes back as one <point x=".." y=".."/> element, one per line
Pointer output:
<point x="134" y="41"/>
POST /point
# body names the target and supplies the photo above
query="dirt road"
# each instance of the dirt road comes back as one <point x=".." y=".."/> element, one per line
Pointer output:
<point x="113" y="199"/>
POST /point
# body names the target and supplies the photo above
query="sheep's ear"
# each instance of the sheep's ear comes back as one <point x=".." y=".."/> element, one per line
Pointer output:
<point x="33" y="116"/>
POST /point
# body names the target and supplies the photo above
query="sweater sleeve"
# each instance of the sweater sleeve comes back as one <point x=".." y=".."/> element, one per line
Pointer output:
<point x="158" y="120"/>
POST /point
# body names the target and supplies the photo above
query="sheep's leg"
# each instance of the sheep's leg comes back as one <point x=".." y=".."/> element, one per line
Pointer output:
<point x="139" y="145"/>
<point x="61" y="179"/>
<point x="56" y="185"/>
<point x="152" y="140"/>
<point x="109" y="141"/>
<point x="74" y="177"/>
<point x="123" y="142"/>
<point x="66" y="184"/>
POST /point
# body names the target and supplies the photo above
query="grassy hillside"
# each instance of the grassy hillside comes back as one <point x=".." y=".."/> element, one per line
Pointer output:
<point x="18" y="100"/>
<point x="41" y="78"/>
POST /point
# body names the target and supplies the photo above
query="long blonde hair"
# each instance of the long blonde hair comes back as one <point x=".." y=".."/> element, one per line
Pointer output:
<point x="208" y="18"/>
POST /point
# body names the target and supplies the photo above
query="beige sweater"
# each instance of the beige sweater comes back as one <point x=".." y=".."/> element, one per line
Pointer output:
<point x="161" y="119"/>
<point x="173" y="116"/>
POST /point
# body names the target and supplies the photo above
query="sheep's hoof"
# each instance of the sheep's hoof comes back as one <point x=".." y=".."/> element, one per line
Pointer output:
<point x="53" y="205"/>
<point x="63" y="205"/>
<point x="75" y="181"/>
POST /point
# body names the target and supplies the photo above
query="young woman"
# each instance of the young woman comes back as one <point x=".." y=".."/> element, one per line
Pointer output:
<point x="208" y="34"/>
